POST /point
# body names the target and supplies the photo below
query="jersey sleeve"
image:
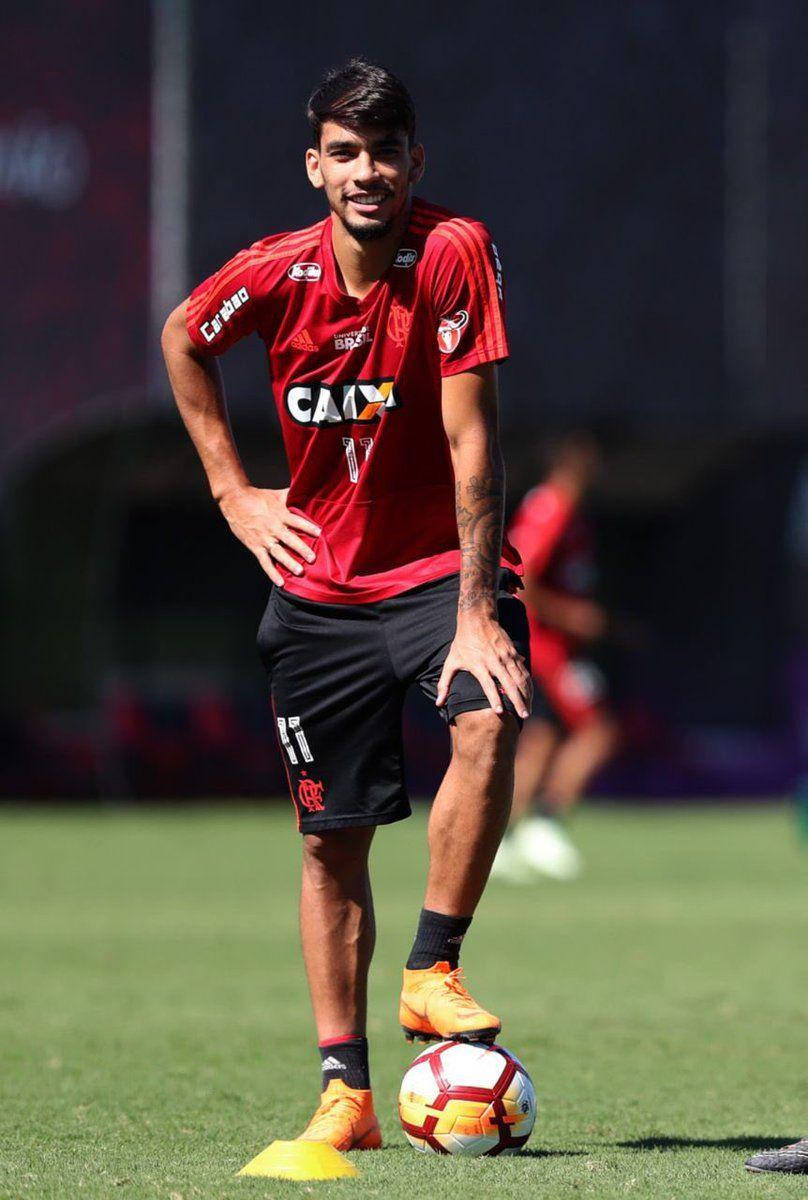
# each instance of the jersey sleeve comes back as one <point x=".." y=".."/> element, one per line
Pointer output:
<point x="468" y="299"/>
<point x="538" y="524"/>
<point x="224" y="308"/>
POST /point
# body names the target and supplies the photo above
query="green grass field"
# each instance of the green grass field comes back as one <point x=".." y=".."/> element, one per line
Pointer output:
<point x="155" y="1029"/>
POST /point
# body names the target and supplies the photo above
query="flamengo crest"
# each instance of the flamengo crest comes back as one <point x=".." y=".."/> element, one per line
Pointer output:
<point x="310" y="794"/>
<point x="399" y="320"/>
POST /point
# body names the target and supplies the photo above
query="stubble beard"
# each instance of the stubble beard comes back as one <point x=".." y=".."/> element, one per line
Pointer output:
<point x="374" y="232"/>
<point x="368" y="233"/>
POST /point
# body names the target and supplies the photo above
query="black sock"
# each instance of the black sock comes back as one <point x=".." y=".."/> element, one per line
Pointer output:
<point x="346" y="1059"/>
<point x="437" y="939"/>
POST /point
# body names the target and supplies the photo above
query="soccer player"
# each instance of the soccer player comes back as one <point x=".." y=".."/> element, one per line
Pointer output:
<point x="383" y="325"/>
<point x="573" y="733"/>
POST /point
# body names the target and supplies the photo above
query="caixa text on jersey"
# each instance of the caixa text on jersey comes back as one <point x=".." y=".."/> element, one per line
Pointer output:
<point x="340" y="403"/>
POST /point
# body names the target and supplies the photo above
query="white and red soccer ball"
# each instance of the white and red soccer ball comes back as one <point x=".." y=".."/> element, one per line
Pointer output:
<point x="467" y="1098"/>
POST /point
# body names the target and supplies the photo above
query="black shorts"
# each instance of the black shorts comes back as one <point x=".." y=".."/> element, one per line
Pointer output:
<point x="338" y="675"/>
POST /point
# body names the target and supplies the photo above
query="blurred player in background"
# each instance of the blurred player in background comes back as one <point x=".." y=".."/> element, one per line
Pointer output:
<point x="573" y="733"/>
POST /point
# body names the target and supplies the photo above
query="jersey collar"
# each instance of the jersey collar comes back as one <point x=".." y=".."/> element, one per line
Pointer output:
<point x="332" y="278"/>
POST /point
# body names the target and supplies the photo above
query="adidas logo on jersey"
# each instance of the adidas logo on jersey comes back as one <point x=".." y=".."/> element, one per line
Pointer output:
<point x="339" y="403"/>
<point x="302" y="341"/>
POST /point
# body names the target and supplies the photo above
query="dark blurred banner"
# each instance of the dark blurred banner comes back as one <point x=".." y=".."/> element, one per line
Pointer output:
<point x="643" y="167"/>
<point x="74" y="210"/>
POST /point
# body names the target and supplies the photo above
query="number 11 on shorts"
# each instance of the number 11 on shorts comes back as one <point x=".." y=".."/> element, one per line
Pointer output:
<point x="293" y="724"/>
<point x="350" y="453"/>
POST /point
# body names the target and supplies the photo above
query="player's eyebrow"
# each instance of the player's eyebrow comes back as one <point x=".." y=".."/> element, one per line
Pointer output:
<point x="348" y="146"/>
<point x="342" y="147"/>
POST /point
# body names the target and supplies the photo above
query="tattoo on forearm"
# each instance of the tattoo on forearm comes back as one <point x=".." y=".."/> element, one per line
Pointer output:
<point x="479" y="504"/>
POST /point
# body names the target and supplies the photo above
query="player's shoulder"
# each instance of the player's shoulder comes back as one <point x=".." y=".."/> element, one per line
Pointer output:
<point x="277" y="246"/>
<point x="273" y="257"/>
<point x="448" y="235"/>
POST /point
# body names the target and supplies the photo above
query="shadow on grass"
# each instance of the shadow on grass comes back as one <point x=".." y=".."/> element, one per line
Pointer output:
<point x="730" y="1143"/>
<point x="551" y="1154"/>
<point x="358" y="1155"/>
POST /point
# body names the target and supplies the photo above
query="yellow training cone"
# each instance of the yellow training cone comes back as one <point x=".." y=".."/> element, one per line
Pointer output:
<point x="299" y="1160"/>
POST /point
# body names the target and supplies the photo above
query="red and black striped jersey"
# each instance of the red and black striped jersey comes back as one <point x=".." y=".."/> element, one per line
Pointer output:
<point x="357" y="385"/>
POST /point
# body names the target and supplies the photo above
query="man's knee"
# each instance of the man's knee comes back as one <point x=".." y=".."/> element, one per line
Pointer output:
<point x="485" y="741"/>
<point x="335" y="854"/>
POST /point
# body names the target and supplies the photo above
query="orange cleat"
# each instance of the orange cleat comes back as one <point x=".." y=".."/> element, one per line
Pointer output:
<point x="345" y="1119"/>
<point x="435" y="1004"/>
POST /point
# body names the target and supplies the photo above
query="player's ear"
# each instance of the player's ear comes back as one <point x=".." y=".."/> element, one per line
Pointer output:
<point x="417" y="163"/>
<point x="313" y="168"/>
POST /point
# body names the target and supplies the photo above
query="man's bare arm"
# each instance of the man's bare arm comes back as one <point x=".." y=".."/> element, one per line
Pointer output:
<point x="197" y="386"/>
<point x="257" y="516"/>
<point x="469" y="407"/>
<point x="469" y="403"/>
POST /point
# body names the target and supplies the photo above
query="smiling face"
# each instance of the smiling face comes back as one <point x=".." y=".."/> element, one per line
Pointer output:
<point x="367" y="175"/>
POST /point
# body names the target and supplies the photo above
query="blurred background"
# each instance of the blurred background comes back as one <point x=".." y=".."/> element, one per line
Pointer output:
<point x="643" y="168"/>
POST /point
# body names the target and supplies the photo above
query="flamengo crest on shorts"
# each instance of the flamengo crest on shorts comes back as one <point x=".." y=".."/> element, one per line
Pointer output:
<point x="310" y="793"/>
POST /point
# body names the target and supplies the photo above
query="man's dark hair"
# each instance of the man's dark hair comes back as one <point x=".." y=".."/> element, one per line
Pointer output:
<point x="358" y="94"/>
